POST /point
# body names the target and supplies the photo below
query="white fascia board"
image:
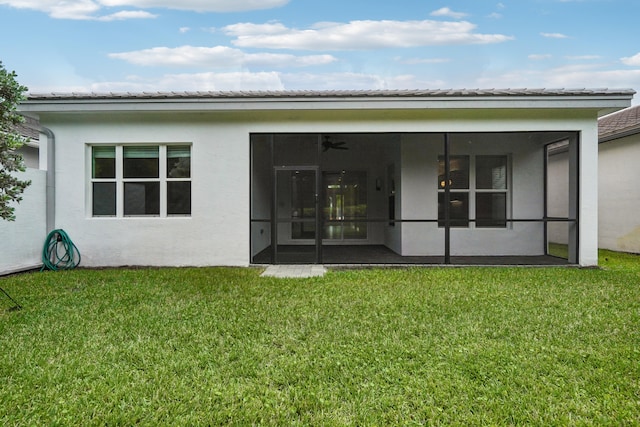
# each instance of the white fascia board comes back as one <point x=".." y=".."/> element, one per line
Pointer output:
<point x="601" y="103"/>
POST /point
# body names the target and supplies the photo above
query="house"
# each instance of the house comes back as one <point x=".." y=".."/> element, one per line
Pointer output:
<point x="618" y="181"/>
<point x="30" y="150"/>
<point x="240" y="178"/>
<point x="23" y="238"/>
<point x="618" y="191"/>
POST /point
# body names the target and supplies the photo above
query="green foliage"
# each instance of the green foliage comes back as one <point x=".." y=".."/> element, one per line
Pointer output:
<point x="11" y="188"/>
<point x="419" y="346"/>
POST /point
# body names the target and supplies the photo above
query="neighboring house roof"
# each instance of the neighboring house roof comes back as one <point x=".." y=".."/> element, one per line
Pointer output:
<point x="620" y="124"/>
<point x="29" y="130"/>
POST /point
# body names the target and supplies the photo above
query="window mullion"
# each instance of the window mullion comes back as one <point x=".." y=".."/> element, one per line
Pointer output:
<point x="508" y="192"/>
<point x="119" y="182"/>
<point x="163" y="180"/>
<point x="472" y="191"/>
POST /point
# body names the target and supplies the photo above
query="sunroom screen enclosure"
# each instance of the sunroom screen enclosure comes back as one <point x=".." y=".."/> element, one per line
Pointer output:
<point x="411" y="198"/>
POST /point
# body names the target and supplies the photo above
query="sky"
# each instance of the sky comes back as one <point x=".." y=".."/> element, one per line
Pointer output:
<point x="265" y="45"/>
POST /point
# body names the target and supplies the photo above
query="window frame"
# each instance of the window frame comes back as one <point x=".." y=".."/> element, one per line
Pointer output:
<point x="473" y="191"/>
<point x="106" y="178"/>
<point x="119" y="180"/>
<point x="505" y="191"/>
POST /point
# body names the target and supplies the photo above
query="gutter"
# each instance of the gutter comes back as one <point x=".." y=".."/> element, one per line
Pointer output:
<point x="51" y="177"/>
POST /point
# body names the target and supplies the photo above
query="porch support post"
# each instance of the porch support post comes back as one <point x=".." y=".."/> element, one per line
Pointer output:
<point x="573" y="239"/>
<point x="447" y="202"/>
<point x="586" y="147"/>
<point x="545" y="166"/>
<point x="274" y="209"/>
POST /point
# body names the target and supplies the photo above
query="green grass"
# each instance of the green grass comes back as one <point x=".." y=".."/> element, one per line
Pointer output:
<point x="223" y="346"/>
<point x="559" y="250"/>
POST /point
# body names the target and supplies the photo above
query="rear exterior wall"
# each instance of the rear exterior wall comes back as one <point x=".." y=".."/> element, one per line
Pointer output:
<point x="218" y="230"/>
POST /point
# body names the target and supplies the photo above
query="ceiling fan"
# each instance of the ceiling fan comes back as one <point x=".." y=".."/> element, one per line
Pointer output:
<point x="327" y="144"/>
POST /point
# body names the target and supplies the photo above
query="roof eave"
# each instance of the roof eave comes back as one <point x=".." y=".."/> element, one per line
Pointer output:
<point x="619" y="134"/>
<point x="603" y="101"/>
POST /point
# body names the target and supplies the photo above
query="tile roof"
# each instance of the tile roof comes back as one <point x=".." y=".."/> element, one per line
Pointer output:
<point x="427" y="93"/>
<point x="617" y="125"/>
<point x="29" y="128"/>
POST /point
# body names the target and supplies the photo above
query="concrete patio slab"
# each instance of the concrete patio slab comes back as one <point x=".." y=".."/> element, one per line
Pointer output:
<point x="294" y="271"/>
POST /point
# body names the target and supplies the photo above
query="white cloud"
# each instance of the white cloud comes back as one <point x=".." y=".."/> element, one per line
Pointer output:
<point x="497" y="15"/>
<point x="73" y="9"/>
<point x="244" y="81"/>
<point x="127" y="14"/>
<point x="633" y="61"/>
<point x="354" y="81"/>
<point x="90" y="9"/>
<point x="332" y="81"/>
<point x="247" y="81"/>
<point x="184" y="30"/>
<point x="200" y="5"/>
<point x="562" y="77"/>
<point x="217" y="57"/>
<point x="554" y="35"/>
<point x="236" y="81"/>
<point x="356" y="35"/>
<point x="583" y="57"/>
<point x="594" y="78"/>
<point x="249" y="29"/>
<point x="574" y="76"/>
<point x="61" y="76"/>
<point x="416" y="61"/>
<point x="539" y="57"/>
<point x="277" y="60"/>
<point x="445" y="11"/>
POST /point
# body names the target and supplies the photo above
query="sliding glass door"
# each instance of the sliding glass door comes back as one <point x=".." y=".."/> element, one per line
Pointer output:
<point x="345" y="205"/>
<point x="296" y="212"/>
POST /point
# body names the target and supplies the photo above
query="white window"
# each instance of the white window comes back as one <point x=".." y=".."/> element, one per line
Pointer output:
<point x="478" y="190"/>
<point x="491" y="191"/>
<point x="141" y="180"/>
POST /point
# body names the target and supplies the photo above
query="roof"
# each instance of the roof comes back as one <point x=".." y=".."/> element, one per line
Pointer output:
<point x="427" y="93"/>
<point x="620" y="124"/>
<point x="604" y="101"/>
<point x="29" y="129"/>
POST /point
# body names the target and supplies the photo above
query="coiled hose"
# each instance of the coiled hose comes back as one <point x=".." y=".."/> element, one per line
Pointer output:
<point x="59" y="252"/>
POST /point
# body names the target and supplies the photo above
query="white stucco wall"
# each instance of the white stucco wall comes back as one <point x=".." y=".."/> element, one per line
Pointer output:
<point x="558" y="195"/>
<point x="218" y="231"/>
<point x="23" y="239"/>
<point x="619" y="194"/>
<point x="393" y="191"/>
<point x="419" y="195"/>
<point x="261" y="195"/>
<point x="30" y="156"/>
<point x="525" y="196"/>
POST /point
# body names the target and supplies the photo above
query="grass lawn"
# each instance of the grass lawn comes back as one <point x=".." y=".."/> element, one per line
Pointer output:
<point x="223" y="346"/>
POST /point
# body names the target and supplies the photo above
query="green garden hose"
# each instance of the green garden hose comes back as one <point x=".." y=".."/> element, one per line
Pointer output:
<point x="59" y="252"/>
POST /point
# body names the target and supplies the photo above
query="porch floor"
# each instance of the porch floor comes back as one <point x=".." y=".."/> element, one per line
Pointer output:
<point x="382" y="255"/>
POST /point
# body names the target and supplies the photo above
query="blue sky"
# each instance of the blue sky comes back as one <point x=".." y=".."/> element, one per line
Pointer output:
<point x="163" y="45"/>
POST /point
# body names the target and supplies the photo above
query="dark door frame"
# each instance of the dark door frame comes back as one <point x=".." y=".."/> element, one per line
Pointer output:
<point x="276" y="219"/>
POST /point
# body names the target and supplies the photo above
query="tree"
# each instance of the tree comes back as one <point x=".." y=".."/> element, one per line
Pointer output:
<point x="11" y="188"/>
